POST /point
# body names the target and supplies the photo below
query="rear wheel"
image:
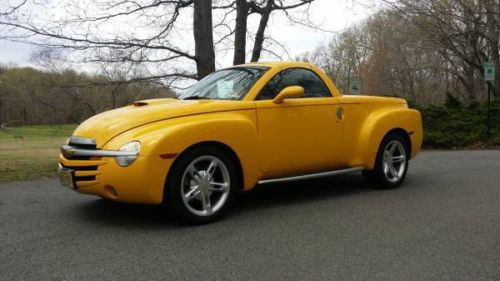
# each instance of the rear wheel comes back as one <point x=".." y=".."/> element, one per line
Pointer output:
<point x="200" y="185"/>
<point x="391" y="163"/>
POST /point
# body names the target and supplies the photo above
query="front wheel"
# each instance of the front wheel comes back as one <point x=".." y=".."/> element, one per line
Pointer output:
<point x="391" y="163"/>
<point x="200" y="185"/>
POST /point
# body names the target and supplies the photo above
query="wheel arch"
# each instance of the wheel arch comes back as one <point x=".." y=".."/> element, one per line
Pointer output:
<point x="216" y="144"/>
<point x="377" y="126"/>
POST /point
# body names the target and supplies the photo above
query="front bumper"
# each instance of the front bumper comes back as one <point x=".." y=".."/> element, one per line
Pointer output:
<point x="95" y="172"/>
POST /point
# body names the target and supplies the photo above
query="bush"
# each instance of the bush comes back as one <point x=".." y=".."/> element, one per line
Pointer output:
<point x="455" y="125"/>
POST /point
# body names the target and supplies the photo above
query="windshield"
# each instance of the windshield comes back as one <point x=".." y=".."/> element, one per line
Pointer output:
<point x="226" y="84"/>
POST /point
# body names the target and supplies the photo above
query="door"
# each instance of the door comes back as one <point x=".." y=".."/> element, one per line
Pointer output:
<point x="300" y="135"/>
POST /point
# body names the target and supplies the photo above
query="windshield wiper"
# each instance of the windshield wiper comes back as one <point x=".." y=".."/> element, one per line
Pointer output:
<point x="196" y="98"/>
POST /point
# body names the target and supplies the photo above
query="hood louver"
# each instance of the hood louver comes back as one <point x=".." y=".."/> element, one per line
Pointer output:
<point x="140" y="103"/>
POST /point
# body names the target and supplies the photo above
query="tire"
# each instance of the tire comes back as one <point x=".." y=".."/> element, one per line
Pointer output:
<point x="200" y="185"/>
<point x="385" y="175"/>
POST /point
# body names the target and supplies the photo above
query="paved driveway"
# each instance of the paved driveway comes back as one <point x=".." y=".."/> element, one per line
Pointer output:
<point x="443" y="224"/>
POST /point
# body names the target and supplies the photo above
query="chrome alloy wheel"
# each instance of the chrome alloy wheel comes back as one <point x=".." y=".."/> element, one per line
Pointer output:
<point x="205" y="185"/>
<point x="394" y="161"/>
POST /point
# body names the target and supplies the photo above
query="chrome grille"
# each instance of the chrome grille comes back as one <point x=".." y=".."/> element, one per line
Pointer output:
<point x="82" y="143"/>
<point x="85" y="143"/>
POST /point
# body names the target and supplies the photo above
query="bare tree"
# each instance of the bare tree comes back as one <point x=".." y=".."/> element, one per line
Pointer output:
<point x="80" y="31"/>
<point x="395" y="58"/>
<point x="64" y="96"/>
<point x="12" y="8"/>
<point x="264" y="8"/>
<point x="159" y="42"/>
<point x="467" y="31"/>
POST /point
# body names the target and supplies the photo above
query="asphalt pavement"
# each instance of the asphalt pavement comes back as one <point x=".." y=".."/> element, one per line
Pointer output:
<point x="443" y="224"/>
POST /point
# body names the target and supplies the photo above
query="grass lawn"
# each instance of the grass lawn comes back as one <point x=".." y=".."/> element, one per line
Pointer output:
<point x="31" y="152"/>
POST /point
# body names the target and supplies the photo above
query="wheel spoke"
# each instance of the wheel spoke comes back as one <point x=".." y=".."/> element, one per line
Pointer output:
<point x="217" y="186"/>
<point x="191" y="194"/>
<point x="386" y="168"/>
<point x="388" y="156"/>
<point x="211" y="168"/>
<point x="193" y="173"/>
<point x="397" y="159"/>
<point x="205" y="199"/>
<point x="393" y="172"/>
<point x="392" y="148"/>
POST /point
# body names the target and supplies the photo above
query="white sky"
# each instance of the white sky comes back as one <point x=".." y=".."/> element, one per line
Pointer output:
<point x="330" y="15"/>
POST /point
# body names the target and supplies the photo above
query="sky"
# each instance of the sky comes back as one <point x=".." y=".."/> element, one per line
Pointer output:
<point x="331" y="15"/>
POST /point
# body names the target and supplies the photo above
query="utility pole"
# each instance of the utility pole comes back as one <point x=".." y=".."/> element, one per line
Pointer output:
<point x="489" y="77"/>
<point x="488" y="125"/>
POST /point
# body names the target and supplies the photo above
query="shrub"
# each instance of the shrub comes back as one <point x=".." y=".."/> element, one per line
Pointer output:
<point x="455" y="125"/>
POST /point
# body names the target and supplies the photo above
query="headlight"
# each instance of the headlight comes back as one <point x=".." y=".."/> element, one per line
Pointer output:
<point x="125" y="161"/>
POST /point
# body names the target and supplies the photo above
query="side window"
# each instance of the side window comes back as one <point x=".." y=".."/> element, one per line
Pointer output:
<point x="312" y="84"/>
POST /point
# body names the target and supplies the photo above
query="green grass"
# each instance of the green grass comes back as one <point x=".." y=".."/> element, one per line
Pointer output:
<point x="31" y="152"/>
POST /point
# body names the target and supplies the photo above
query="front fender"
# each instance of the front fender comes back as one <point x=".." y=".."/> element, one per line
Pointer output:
<point x="378" y="124"/>
<point x="235" y="129"/>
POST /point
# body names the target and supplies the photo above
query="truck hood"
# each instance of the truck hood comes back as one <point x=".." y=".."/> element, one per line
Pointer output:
<point x="105" y="126"/>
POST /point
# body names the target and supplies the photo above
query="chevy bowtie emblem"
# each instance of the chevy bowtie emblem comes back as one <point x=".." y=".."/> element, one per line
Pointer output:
<point x="67" y="151"/>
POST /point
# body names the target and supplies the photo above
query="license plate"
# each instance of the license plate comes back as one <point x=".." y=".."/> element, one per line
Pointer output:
<point x="66" y="177"/>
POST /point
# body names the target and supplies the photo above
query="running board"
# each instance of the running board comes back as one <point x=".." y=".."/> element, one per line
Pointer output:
<point x="312" y="176"/>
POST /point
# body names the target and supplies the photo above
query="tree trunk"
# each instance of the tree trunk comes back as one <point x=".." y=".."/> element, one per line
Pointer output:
<point x="203" y="38"/>
<point x="240" y="33"/>
<point x="259" y="36"/>
<point x="469" y="83"/>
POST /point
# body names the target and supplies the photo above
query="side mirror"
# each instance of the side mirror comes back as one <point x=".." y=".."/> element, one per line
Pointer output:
<point x="288" y="93"/>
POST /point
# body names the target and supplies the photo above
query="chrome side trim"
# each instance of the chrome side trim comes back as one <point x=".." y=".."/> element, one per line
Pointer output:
<point x="69" y="151"/>
<point x="80" y="140"/>
<point x="312" y="176"/>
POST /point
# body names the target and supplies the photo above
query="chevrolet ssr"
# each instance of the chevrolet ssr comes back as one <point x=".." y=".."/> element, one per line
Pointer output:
<point x="238" y="127"/>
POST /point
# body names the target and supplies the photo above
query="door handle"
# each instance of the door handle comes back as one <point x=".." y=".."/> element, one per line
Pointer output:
<point x="340" y="113"/>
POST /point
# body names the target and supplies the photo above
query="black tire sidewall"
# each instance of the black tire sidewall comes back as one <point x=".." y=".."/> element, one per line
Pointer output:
<point x="173" y="186"/>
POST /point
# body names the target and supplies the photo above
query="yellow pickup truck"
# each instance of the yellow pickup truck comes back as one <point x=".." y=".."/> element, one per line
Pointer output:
<point x="241" y="126"/>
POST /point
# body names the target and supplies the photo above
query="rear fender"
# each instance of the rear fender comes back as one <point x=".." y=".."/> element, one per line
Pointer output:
<point x="377" y="125"/>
